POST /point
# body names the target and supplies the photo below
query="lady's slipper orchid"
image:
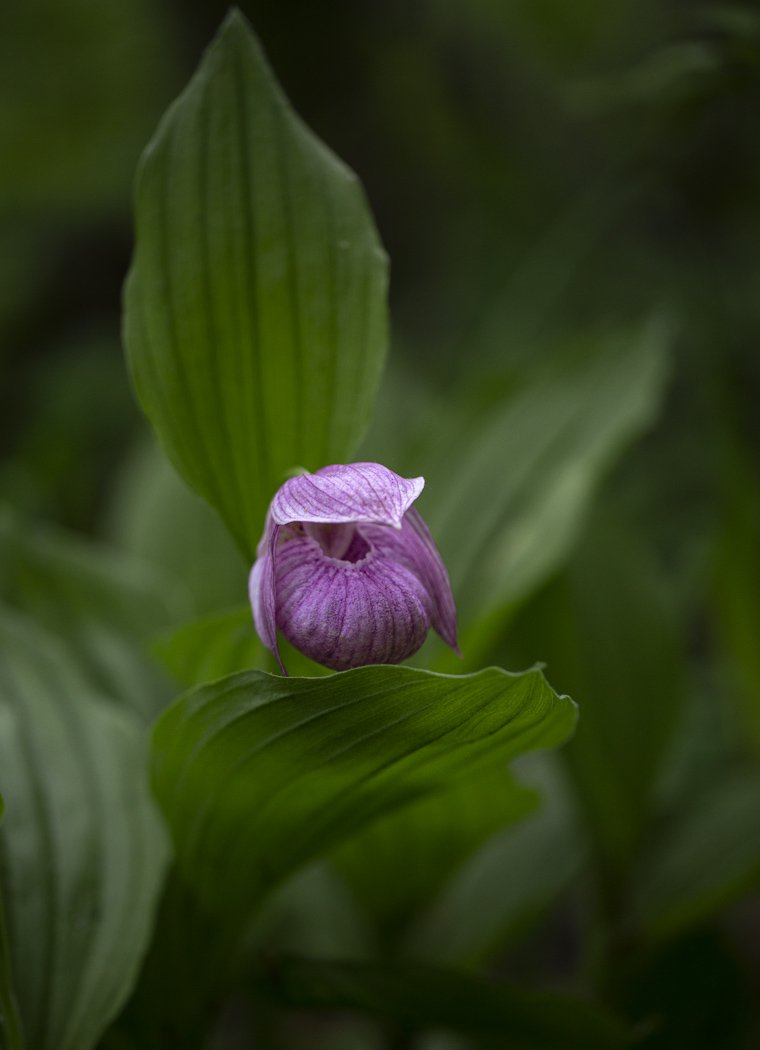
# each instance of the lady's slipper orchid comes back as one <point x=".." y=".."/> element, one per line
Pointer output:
<point x="348" y="571"/>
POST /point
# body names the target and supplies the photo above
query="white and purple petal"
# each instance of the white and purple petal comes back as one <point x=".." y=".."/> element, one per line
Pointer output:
<point x="261" y="590"/>
<point x="412" y="546"/>
<point x="346" y="614"/>
<point x="348" y="570"/>
<point x="352" y="492"/>
<point x="429" y="566"/>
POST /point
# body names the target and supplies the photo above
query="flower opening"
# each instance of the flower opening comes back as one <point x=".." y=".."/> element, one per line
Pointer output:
<point x="347" y="569"/>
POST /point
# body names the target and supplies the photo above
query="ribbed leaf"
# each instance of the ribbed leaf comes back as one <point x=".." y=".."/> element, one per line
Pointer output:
<point x="737" y="579"/>
<point x="222" y="644"/>
<point x="211" y="648"/>
<point x="158" y="519"/>
<point x="81" y="849"/>
<point x="434" y="836"/>
<point x="425" y="997"/>
<point x="705" y="859"/>
<point x="510" y="480"/>
<point x="10" y="1025"/>
<point x="583" y="625"/>
<point x="258" y="774"/>
<point x="511" y="882"/>
<point x="255" y="308"/>
<point x="103" y="604"/>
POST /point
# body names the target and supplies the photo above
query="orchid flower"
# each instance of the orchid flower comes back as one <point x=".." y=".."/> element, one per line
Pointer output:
<point x="348" y="571"/>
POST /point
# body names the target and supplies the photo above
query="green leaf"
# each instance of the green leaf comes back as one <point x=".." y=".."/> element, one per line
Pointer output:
<point x="694" y="992"/>
<point x="736" y="582"/>
<point x="418" y="996"/>
<point x="510" y="481"/>
<point x="255" y="318"/>
<point x="154" y="516"/>
<point x="10" y="1023"/>
<point x="257" y="775"/>
<point x="434" y="836"/>
<point x="104" y="604"/>
<point x="314" y="913"/>
<point x="211" y="648"/>
<point x="222" y="644"/>
<point x="65" y="160"/>
<point x="511" y="882"/>
<point x="81" y="850"/>
<point x="606" y="627"/>
<point x="703" y="860"/>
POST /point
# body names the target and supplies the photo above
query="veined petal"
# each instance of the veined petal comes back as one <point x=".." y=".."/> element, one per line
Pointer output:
<point x="350" y="492"/>
<point x="261" y="590"/>
<point x="415" y="547"/>
<point x="345" y="614"/>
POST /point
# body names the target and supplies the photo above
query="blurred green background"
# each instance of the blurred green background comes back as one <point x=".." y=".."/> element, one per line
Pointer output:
<point x="547" y="178"/>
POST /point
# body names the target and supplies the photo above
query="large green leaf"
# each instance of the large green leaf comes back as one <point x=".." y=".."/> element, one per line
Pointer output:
<point x="62" y="158"/>
<point x="314" y="913"/>
<point x="211" y="648"/>
<point x="255" y="308"/>
<point x="417" y="997"/>
<point x="511" y="479"/>
<point x="434" y="836"/>
<point x="736" y="610"/>
<point x="258" y="774"/>
<point x="606" y="626"/>
<point x="703" y="859"/>
<point x="511" y="882"/>
<point x="157" y="518"/>
<point x="81" y="849"/>
<point x="104" y="604"/>
<point x="222" y="644"/>
<point x="10" y="1024"/>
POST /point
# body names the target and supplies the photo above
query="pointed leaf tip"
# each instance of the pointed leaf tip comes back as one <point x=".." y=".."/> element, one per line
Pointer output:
<point x="255" y="309"/>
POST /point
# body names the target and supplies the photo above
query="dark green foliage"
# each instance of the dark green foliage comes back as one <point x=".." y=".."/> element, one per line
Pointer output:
<point x="569" y="196"/>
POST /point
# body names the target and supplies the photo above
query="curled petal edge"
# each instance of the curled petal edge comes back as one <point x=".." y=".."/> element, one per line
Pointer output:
<point x="436" y="579"/>
<point x="261" y="591"/>
<point x="351" y="492"/>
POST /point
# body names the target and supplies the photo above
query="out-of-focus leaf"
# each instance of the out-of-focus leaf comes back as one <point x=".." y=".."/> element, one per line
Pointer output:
<point x="691" y="993"/>
<point x="737" y="582"/>
<point x="258" y="775"/>
<point x="10" y="1024"/>
<point x="156" y="517"/>
<point x="315" y="914"/>
<point x="223" y="644"/>
<point x="75" y="414"/>
<point x="509" y="883"/>
<point x="255" y="308"/>
<point x="81" y="848"/>
<point x="606" y="628"/>
<point x="66" y="145"/>
<point x="508" y="487"/>
<point x="105" y="605"/>
<point x="434" y="836"/>
<point x="420" y="997"/>
<point x="703" y="860"/>
<point x="211" y="648"/>
<point x="669" y="77"/>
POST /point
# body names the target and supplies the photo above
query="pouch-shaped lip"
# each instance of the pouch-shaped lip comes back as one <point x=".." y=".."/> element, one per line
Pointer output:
<point x="367" y="494"/>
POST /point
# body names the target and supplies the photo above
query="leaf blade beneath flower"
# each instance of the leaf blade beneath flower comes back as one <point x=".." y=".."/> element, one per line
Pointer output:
<point x="258" y="775"/>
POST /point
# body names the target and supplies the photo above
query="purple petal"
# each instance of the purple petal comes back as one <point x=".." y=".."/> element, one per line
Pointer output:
<point x="345" y="614"/>
<point x="414" y="547"/>
<point x="261" y="590"/>
<point x="352" y="492"/>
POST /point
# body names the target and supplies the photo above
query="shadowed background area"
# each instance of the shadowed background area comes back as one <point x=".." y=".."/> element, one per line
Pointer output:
<point x="570" y="198"/>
